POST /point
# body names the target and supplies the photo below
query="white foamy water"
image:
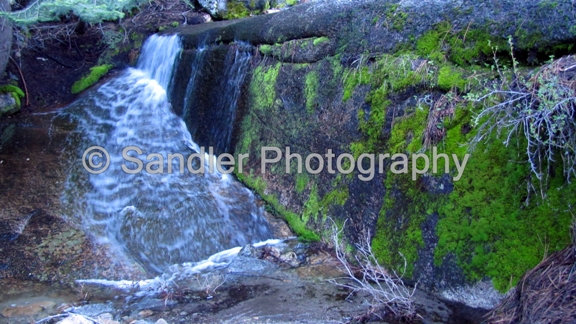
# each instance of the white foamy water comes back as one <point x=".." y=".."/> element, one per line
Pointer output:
<point x="156" y="219"/>
<point x="178" y="273"/>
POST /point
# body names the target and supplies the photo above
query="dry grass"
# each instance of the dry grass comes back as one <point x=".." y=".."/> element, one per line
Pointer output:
<point x="440" y="110"/>
<point x="545" y="294"/>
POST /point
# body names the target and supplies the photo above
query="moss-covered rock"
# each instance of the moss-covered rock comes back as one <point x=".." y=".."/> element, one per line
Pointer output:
<point x="10" y="99"/>
<point x="391" y="77"/>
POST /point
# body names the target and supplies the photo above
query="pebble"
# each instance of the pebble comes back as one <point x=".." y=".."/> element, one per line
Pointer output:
<point x="146" y="313"/>
<point x="107" y="318"/>
<point x="161" y="321"/>
<point x="75" y="319"/>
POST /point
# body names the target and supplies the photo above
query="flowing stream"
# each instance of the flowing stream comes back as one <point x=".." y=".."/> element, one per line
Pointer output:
<point x="155" y="217"/>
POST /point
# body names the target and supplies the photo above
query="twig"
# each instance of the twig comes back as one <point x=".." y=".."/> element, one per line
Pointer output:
<point x="46" y="319"/>
<point x="22" y="78"/>
<point x="386" y="287"/>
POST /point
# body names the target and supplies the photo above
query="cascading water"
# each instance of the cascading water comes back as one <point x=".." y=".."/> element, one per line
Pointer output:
<point x="196" y="69"/>
<point x="214" y="100"/>
<point x="156" y="217"/>
<point x="237" y="66"/>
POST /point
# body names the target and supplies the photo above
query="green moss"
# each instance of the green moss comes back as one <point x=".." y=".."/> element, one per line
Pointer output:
<point x="235" y="10"/>
<point x="320" y="40"/>
<point x="450" y="79"/>
<point x="291" y="2"/>
<point x="263" y="86"/>
<point x="487" y="222"/>
<point x="311" y="90"/>
<point x="95" y="74"/>
<point x="428" y="46"/>
<point x="312" y="206"/>
<point x="266" y="49"/>
<point x="395" y="18"/>
<point x="462" y="47"/>
<point x="338" y="196"/>
<point x="353" y="78"/>
<point x="390" y="74"/>
<point x="137" y="39"/>
<point x="294" y="221"/>
<point x="175" y="24"/>
<point x="14" y="91"/>
<point x="301" y="182"/>
<point x="396" y="73"/>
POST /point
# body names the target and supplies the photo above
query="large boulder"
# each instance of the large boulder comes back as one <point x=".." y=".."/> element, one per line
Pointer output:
<point x="371" y="77"/>
<point x="5" y="36"/>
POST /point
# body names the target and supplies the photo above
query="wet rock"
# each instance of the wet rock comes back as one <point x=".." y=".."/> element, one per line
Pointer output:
<point x="161" y="321"/>
<point x="75" y="319"/>
<point x="6" y="134"/>
<point x="290" y="258"/>
<point x="107" y="318"/>
<point x="249" y="251"/>
<point x="92" y="310"/>
<point x="28" y="310"/>
<point x="8" y="105"/>
<point x="213" y="6"/>
<point x="250" y="265"/>
<point x="480" y="295"/>
<point x="145" y="313"/>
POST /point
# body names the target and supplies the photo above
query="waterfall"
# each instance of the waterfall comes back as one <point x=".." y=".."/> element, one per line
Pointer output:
<point x="196" y="69"/>
<point x="155" y="217"/>
<point x="214" y="100"/>
<point x="236" y="67"/>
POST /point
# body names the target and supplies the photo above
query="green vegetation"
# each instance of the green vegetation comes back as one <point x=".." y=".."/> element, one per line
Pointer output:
<point x="485" y="218"/>
<point x="235" y="10"/>
<point x="266" y="49"/>
<point x="294" y="221"/>
<point x="95" y="74"/>
<point x="390" y="74"/>
<point x="301" y="182"/>
<point x="484" y="222"/>
<point x="291" y="2"/>
<point x="320" y="40"/>
<point x="463" y="47"/>
<point x="263" y="86"/>
<point x="14" y="91"/>
<point x="89" y="11"/>
<point x="450" y="79"/>
<point x="395" y="18"/>
<point x="311" y="90"/>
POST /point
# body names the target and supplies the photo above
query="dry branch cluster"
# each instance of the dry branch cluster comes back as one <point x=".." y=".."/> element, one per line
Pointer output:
<point x="542" y="109"/>
<point x="385" y="287"/>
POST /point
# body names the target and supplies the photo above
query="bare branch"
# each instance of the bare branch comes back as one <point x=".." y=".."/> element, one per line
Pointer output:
<point x="385" y="287"/>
